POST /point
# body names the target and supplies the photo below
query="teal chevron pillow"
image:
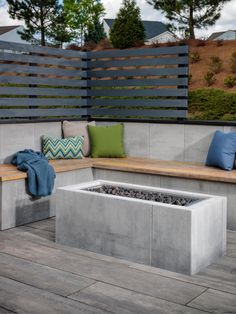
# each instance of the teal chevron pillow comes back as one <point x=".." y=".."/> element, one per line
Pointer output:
<point x="66" y="148"/>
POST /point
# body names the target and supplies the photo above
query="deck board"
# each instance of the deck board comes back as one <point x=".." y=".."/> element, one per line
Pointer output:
<point x="38" y="275"/>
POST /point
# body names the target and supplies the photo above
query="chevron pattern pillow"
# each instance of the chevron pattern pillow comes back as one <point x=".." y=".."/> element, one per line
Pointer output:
<point x="67" y="148"/>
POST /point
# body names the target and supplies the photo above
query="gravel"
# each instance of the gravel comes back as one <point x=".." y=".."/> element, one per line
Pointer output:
<point x="143" y="195"/>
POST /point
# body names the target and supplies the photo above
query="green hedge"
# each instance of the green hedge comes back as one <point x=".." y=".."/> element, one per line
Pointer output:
<point x="212" y="104"/>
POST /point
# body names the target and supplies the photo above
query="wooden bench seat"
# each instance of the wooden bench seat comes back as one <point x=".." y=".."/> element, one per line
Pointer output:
<point x="188" y="170"/>
<point x="167" y="168"/>
<point x="10" y="172"/>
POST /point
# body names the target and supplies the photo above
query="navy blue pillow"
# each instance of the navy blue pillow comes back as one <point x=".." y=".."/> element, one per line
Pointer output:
<point x="222" y="150"/>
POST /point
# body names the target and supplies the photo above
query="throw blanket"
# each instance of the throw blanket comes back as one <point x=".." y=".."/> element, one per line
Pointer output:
<point x="40" y="174"/>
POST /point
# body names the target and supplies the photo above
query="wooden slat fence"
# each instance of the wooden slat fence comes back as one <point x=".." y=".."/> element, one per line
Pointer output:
<point x="47" y="83"/>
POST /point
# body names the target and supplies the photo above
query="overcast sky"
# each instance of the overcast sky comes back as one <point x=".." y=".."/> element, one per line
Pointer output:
<point x="227" y="20"/>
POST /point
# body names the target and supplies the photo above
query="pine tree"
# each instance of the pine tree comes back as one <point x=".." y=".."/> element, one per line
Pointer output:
<point x="128" y="29"/>
<point x="188" y="15"/>
<point x="59" y="33"/>
<point x="95" y="32"/>
<point x="38" y="16"/>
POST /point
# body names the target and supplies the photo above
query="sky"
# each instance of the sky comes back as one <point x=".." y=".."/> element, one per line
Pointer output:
<point x="226" y="22"/>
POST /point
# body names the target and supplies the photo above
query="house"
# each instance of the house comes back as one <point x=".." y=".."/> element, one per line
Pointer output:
<point x="154" y="31"/>
<point x="226" y="35"/>
<point x="10" y="33"/>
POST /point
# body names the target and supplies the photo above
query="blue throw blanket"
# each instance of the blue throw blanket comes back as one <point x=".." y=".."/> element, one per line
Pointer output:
<point x="40" y="174"/>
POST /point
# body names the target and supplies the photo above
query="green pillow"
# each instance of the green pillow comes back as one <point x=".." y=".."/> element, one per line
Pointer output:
<point x="66" y="148"/>
<point x="107" y="141"/>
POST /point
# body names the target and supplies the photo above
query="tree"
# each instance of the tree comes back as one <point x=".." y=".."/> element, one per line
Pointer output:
<point x="82" y="14"/>
<point x="188" y="15"/>
<point x="38" y="16"/>
<point x="128" y="29"/>
<point x="95" y="32"/>
<point x="59" y="33"/>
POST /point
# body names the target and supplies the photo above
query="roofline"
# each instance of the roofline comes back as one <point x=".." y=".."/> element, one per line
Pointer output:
<point x="13" y="26"/>
<point x="142" y="20"/>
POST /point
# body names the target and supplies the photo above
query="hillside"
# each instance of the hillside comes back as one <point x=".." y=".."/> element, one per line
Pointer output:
<point x="199" y="69"/>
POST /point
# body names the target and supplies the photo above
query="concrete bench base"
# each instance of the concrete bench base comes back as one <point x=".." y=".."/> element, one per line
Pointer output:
<point x="19" y="208"/>
<point x="182" y="239"/>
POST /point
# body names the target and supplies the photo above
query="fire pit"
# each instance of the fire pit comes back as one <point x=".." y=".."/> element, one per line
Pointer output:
<point x="174" y="230"/>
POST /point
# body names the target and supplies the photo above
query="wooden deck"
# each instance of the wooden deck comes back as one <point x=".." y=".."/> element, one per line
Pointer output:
<point x="39" y="276"/>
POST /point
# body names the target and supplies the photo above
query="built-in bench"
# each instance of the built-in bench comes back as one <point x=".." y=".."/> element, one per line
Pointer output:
<point x="166" y="155"/>
<point x="17" y="207"/>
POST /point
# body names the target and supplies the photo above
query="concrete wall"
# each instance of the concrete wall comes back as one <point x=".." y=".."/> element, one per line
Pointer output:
<point x="157" y="141"/>
<point x="15" y="137"/>
<point x="170" y="141"/>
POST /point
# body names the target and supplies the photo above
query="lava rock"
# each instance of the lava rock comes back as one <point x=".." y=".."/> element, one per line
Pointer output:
<point x="144" y="195"/>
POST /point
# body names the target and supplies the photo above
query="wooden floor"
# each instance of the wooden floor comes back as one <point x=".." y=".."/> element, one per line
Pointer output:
<point x="39" y="276"/>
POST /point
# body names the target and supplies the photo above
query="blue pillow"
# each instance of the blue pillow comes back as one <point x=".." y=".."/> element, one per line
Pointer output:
<point x="222" y="150"/>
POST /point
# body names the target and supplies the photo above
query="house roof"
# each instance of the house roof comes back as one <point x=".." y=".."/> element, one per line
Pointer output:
<point x="217" y="34"/>
<point x="6" y="29"/>
<point x="152" y="28"/>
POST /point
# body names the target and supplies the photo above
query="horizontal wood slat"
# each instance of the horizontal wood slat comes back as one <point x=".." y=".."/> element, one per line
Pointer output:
<point x="138" y="113"/>
<point x="25" y="48"/>
<point x="8" y="113"/>
<point x="138" y="92"/>
<point x="14" y="68"/>
<point x="40" y="81"/>
<point x="22" y="58"/>
<point x="138" y="62"/>
<point x="27" y="91"/>
<point x="138" y="52"/>
<point x="141" y="72"/>
<point x="139" y="102"/>
<point x="140" y="82"/>
<point x="16" y="102"/>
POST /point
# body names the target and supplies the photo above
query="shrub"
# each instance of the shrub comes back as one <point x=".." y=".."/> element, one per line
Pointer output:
<point x="209" y="78"/>
<point x="230" y="81"/>
<point x="104" y="44"/>
<point x="88" y="46"/>
<point x="200" y="43"/>
<point x="156" y="44"/>
<point x="73" y="47"/>
<point x="215" y="65"/>
<point x="233" y="62"/>
<point x="212" y="104"/>
<point x="128" y="28"/>
<point x="190" y="78"/>
<point x="219" y="43"/>
<point x="195" y="57"/>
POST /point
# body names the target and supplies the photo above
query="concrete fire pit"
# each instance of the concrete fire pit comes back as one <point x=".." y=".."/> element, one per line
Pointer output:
<point x="182" y="238"/>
